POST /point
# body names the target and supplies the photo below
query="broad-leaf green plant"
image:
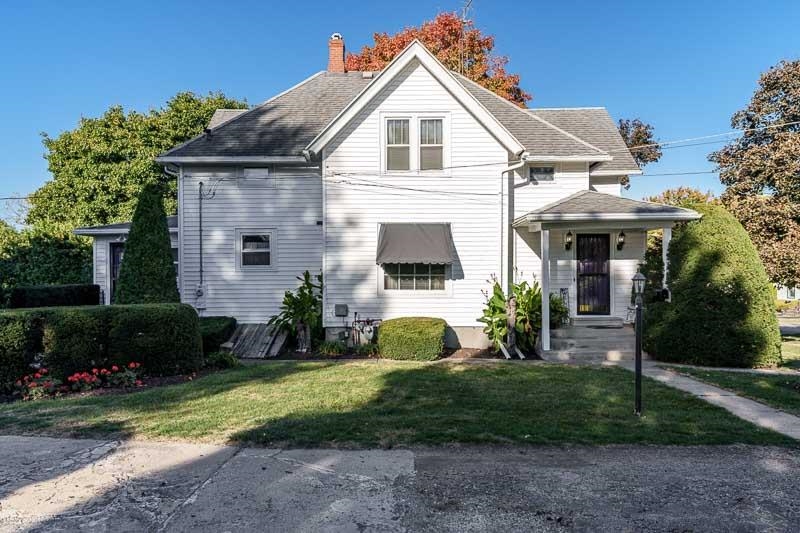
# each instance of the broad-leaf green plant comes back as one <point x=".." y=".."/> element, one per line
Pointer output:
<point x="302" y="307"/>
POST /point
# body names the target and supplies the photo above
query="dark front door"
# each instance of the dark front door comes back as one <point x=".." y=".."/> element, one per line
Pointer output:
<point x="117" y="251"/>
<point x="594" y="290"/>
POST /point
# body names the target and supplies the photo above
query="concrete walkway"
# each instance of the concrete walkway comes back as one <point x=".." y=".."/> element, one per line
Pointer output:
<point x="752" y="411"/>
<point x="93" y="485"/>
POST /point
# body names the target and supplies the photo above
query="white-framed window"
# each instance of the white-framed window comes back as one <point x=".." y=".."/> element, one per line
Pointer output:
<point x="431" y="144"/>
<point x="415" y="143"/>
<point x="398" y="144"/>
<point x="176" y="262"/>
<point x="543" y="173"/>
<point x="413" y="277"/>
<point x="255" y="249"/>
<point x="791" y="293"/>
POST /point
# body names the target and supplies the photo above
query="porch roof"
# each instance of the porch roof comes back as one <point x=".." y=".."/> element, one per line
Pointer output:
<point x="122" y="227"/>
<point x="592" y="206"/>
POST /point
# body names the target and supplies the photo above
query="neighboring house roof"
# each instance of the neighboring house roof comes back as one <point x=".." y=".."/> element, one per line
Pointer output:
<point x="584" y="206"/>
<point x="308" y="115"/>
<point x="122" y="227"/>
<point x="221" y="116"/>
<point x="594" y="125"/>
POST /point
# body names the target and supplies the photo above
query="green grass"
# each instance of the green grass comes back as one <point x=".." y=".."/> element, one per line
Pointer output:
<point x="393" y="403"/>
<point x="782" y="392"/>
<point x="791" y="351"/>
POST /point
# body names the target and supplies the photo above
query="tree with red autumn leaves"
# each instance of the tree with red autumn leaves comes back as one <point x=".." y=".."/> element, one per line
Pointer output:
<point x="453" y="41"/>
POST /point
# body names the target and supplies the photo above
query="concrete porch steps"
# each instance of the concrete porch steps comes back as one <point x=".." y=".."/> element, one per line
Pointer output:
<point x="591" y="341"/>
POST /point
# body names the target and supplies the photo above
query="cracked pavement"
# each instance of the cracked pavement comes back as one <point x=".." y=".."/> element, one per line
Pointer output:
<point x="90" y="485"/>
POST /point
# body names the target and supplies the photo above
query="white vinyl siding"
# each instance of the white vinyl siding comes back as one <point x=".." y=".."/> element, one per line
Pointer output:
<point x="466" y="197"/>
<point x="291" y="208"/>
<point x="606" y="184"/>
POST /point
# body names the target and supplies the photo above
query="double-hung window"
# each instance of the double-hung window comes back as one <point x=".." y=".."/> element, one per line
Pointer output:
<point x="413" y="277"/>
<point x="398" y="145"/>
<point x="431" y="144"/>
<point x="255" y="249"/>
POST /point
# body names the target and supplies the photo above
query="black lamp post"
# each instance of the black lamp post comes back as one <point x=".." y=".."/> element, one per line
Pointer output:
<point x="638" y="290"/>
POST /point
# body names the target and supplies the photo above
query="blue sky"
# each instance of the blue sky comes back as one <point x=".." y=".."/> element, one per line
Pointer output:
<point x="684" y="67"/>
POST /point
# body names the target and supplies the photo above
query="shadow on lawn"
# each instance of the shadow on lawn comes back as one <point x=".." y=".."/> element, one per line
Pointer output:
<point x="504" y="404"/>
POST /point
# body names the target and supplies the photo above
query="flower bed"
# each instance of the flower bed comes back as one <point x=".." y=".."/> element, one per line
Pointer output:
<point x="41" y="384"/>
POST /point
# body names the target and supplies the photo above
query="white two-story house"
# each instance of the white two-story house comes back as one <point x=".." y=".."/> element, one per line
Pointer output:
<point x="408" y="189"/>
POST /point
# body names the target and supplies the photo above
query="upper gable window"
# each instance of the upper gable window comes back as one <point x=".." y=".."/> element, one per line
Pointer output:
<point x="542" y="174"/>
<point x="431" y="144"/>
<point x="398" y="145"/>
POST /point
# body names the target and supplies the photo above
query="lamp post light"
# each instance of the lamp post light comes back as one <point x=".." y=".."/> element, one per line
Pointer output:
<point x="638" y="290"/>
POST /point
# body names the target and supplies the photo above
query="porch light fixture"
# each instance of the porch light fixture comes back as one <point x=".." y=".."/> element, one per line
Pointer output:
<point x="620" y="240"/>
<point x="638" y="284"/>
<point x="568" y="240"/>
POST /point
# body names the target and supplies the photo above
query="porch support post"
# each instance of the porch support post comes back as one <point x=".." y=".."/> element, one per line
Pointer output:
<point x="545" y="289"/>
<point x="664" y="255"/>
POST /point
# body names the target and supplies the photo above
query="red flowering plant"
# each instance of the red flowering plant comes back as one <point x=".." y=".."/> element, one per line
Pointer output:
<point x="118" y="377"/>
<point x="40" y="385"/>
<point x="37" y="385"/>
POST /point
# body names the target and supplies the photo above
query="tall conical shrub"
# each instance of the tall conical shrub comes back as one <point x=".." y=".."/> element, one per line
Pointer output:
<point x="723" y="308"/>
<point x="147" y="273"/>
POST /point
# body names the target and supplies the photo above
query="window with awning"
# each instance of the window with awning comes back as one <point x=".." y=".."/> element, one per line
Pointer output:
<point x="411" y="243"/>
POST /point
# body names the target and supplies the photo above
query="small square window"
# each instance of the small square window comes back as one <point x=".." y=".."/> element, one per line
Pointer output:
<point x="255" y="249"/>
<point x="542" y="173"/>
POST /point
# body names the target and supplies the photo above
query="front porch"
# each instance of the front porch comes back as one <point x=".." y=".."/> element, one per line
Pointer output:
<point x="586" y="248"/>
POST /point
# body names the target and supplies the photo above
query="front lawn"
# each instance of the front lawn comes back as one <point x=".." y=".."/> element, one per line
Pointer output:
<point x="782" y="392"/>
<point x="791" y="351"/>
<point x="390" y="403"/>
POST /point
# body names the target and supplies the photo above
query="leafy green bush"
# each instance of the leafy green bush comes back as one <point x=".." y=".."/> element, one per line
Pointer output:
<point x="54" y="295"/>
<point x="367" y="350"/>
<point x="147" y="274"/>
<point x="216" y="330"/>
<point x="20" y="342"/>
<point x="529" y="314"/>
<point x="165" y="338"/>
<point x="723" y="309"/>
<point x="303" y="307"/>
<point x="74" y="338"/>
<point x="332" y="348"/>
<point x="414" y="338"/>
<point x="221" y="360"/>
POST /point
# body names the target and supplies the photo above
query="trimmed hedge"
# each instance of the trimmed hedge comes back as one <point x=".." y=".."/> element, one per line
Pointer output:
<point x="723" y="309"/>
<point x="54" y="295"/>
<point x="412" y="338"/>
<point x="164" y="338"/>
<point x="20" y="341"/>
<point x="215" y="330"/>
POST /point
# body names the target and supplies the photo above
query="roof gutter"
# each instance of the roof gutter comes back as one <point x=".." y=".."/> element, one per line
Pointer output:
<point x="605" y="217"/>
<point x="284" y="159"/>
<point x="566" y="158"/>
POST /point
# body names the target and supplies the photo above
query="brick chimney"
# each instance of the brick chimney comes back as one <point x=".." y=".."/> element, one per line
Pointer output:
<point x="336" y="53"/>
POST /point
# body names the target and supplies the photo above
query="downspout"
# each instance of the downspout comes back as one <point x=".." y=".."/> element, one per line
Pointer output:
<point x="507" y="222"/>
<point x="200" y="235"/>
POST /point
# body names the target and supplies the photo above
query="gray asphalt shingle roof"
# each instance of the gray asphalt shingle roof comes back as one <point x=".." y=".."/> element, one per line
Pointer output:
<point x="537" y="136"/>
<point x="596" y="203"/>
<point x="223" y="115"/>
<point x="122" y="227"/>
<point x="283" y="125"/>
<point x="286" y="124"/>
<point x="595" y="126"/>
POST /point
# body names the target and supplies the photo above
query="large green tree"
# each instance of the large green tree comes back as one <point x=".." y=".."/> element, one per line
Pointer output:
<point x="100" y="167"/>
<point x="640" y="137"/>
<point x="761" y="171"/>
<point x="147" y="273"/>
